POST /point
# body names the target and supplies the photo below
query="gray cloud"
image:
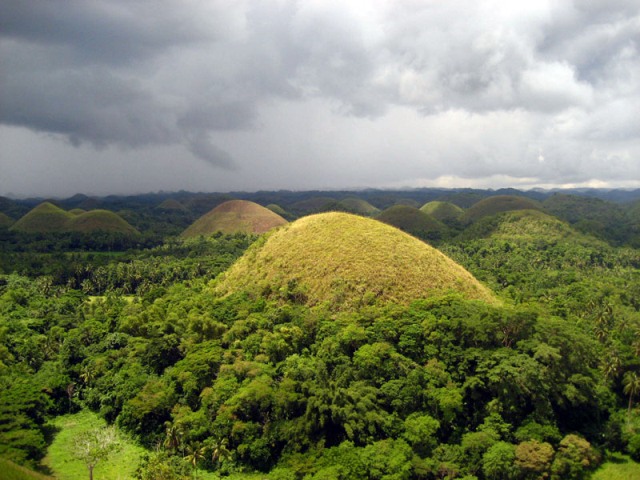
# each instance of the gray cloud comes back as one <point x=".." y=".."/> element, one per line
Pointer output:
<point x="495" y="86"/>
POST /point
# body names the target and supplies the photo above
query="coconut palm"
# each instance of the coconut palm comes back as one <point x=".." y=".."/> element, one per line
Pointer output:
<point x="631" y="386"/>
<point x="195" y="453"/>
<point x="219" y="451"/>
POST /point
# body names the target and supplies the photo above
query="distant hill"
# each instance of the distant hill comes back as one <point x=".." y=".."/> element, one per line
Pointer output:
<point x="278" y="210"/>
<point x="171" y="204"/>
<point x="359" y="206"/>
<point x="47" y="218"/>
<point x="443" y="211"/>
<point x="44" y="218"/>
<point x="347" y="260"/>
<point x="497" y="204"/>
<point x="235" y="216"/>
<point x="99" y="221"/>
<point x="77" y="211"/>
<point x="312" y="205"/>
<point x="606" y="220"/>
<point x="413" y="221"/>
<point x="525" y="225"/>
<point x="5" y="220"/>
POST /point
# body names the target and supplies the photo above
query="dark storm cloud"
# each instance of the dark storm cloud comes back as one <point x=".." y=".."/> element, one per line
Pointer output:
<point x="528" y="90"/>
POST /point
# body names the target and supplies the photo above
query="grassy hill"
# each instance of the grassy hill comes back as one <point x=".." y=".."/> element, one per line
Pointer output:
<point x="12" y="471"/>
<point x="443" y="211"/>
<point x="171" y="204"/>
<point x="311" y="205"/>
<point x="235" y="216"/>
<point x="604" y="219"/>
<point x="499" y="203"/>
<point x="99" y="221"/>
<point x="44" y="218"/>
<point x="347" y="261"/>
<point x="359" y="206"/>
<point x="5" y="220"/>
<point x="278" y="210"/>
<point x="525" y="225"/>
<point x="413" y="221"/>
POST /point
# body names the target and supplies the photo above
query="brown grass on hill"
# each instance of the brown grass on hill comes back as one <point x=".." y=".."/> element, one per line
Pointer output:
<point x="347" y="261"/>
<point x="235" y="216"/>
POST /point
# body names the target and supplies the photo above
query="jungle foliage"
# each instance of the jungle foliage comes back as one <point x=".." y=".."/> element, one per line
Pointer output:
<point x="543" y="384"/>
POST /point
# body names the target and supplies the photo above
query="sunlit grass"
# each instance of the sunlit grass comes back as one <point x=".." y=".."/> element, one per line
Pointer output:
<point x="348" y="261"/>
<point x="11" y="471"/>
<point x="120" y="466"/>
<point x="620" y="467"/>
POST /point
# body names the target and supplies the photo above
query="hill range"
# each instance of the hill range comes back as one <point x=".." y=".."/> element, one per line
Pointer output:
<point x="47" y="218"/>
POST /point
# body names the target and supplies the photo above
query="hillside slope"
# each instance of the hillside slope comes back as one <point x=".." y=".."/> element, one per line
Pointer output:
<point x="499" y="203"/>
<point x="99" y="221"/>
<point x="347" y="260"/>
<point x="235" y="216"/>
<point x="44" y="218"/>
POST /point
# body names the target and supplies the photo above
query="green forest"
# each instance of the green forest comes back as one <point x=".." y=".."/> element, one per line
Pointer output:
<point x="330" y="347"/>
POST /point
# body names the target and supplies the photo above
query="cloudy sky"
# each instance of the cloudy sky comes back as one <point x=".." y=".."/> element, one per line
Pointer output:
<point x="125" y="96"/>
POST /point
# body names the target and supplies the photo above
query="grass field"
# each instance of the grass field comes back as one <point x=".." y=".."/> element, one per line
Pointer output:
<point x="11" y="471"/>
<point x="619" y="467"/>
<point x="122" y="465"/>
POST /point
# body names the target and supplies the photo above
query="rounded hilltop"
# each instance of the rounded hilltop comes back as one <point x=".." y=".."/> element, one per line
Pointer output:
<point x="5" y="220"/>
<point x="443" y="211"/>
<point x="235" y="216"/>
<point x="100" y="221"/>
<point x="528" y="226"/>
<point x="413" y="221"/>
<point x="43" y="218"/>
<point x="497" y="204"/>
<point x="347" y="261"/>
<point x="46" y="218"/>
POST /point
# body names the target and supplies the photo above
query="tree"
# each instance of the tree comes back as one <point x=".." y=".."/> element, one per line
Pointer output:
<point x="195" y="453"/>
<point x="219" y="450"/>
<point x="631" y="386"/>
<point x="574" y="458"/>
<point x="499" y="461"/>
<point x="534" y="458"/>
<point x="95" y="445"/>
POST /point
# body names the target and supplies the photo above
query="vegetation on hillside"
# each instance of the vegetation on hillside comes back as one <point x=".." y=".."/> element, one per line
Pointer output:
<point x="496" y="204"/>
<point x="44" y="218"/>
<point x="443" y="211"/>
<point x="333" y="347"/>
<point x="5" y="220"/>
<point x="415" y="222"/>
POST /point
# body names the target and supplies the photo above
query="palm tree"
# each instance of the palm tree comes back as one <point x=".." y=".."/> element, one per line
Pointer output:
<point x="195" y="453"/>
<point x="219" y="451"/>
<point x="173" y="437"/>
<point x="631" y="386"/>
